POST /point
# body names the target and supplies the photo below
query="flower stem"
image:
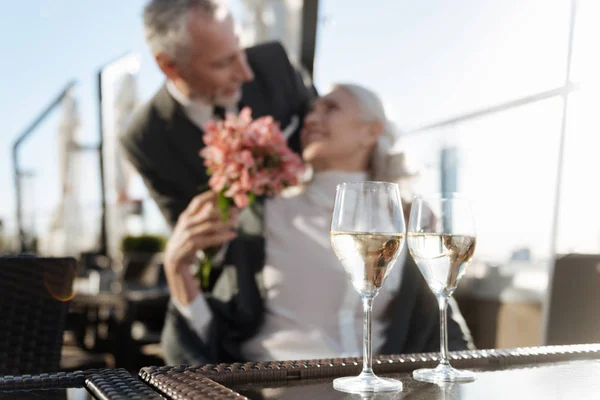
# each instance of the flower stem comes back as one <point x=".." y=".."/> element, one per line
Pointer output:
<point x="205" y="271"/>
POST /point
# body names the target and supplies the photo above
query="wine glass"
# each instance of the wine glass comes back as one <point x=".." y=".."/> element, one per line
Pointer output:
<point x="367" y="235"/>
<point x="441" y="239"/>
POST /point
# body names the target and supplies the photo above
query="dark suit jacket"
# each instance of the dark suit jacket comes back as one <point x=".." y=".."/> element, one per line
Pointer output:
<point x="163" y="144"/>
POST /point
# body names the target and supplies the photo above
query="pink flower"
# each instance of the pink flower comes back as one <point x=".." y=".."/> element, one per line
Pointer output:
<point x="246" y="156"/>
<point x="245" y="181"/>
<point x="241" y="200"/>
<point x="217" y="182"/>
<point x="247" y="159"/>
<point x="215" y="154"/>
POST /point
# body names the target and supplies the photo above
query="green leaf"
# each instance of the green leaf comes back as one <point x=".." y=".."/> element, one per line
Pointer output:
<point x="251" y="198"/>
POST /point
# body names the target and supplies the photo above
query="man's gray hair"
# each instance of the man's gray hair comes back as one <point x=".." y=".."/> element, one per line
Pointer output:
<point x="166" y="24"/>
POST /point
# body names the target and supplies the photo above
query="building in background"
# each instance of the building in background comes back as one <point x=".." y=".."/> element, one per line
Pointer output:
<point x="265" y="20"/>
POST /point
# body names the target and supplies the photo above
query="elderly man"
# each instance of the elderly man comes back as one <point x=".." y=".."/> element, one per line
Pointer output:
<point x="207" y="74"/>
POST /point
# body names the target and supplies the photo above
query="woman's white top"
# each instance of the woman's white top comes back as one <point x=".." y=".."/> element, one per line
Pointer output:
<point x="312" y="309"/>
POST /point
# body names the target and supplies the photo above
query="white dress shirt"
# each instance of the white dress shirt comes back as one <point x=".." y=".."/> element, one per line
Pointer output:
<point x="311" y="308"/>
<point x="199" y="113"/>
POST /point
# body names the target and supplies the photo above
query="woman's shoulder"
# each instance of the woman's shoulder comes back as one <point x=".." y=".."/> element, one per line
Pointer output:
<point x="292" y="191"/>
<point x="287" y="202"/>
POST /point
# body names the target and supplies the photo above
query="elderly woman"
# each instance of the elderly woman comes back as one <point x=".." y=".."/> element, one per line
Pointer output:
<point x="283" y="294"/>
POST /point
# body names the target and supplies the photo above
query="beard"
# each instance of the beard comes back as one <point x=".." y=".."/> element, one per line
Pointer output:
<point x="218" y="99"/>
<point x="227" y="101"/>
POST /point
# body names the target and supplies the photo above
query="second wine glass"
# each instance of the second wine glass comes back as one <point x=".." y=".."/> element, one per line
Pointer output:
<point x="367" y="235"/>
<point x="441" y="239"/>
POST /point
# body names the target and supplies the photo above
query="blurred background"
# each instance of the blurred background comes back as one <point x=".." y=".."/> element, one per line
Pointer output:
<point x="495" y="99"/>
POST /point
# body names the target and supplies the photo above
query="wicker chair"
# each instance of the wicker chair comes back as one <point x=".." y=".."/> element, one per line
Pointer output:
<point x="574" y="300"/>
<point x="34" y="294"/>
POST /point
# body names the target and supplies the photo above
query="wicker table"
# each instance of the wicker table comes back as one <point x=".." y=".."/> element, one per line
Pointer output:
<point x="558" y="372"/>
<point x="102" y="384"/>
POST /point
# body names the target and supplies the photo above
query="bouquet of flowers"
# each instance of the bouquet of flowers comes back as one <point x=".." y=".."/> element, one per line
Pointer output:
<point x="246" y="158"/>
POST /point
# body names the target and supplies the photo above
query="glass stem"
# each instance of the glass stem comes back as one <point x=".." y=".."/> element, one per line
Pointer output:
<point x="367" y="344"/>
<point x="443" y="305"/>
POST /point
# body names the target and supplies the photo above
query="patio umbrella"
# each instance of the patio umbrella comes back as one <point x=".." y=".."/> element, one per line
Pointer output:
<point x="65" y="227"/>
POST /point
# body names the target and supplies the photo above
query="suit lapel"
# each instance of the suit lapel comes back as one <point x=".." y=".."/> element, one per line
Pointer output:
<point x="264" y="94"/>
<point x="185" y="136"/>
<point x="254" y="97"/>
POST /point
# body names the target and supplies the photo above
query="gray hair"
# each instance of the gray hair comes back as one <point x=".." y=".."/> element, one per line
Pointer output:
<point x="166" y="24"/>
<point x="386" y="164"/>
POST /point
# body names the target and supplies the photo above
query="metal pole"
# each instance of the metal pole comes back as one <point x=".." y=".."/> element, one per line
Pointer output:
<point x="559" y="172"/>
<point x="103" y="245"/>
<point x="17" y="178"/>
<point x="563" y="132"/>
<point x="310" y="14"/>
<point x="559" y="91"/>
<point x="17" y="169"/>
<point x="103" y="235"/>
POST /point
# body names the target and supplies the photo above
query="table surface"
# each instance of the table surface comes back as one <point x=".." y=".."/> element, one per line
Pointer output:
<point x="554" y="372"/>
<point x="561" y="380"/>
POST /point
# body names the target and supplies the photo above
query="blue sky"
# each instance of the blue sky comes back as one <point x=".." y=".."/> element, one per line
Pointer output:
<point x="48" y="44"/>
<point x="428" y="60"/>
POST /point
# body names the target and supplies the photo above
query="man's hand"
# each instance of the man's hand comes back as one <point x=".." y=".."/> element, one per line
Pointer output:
<point x="199" y="227"/>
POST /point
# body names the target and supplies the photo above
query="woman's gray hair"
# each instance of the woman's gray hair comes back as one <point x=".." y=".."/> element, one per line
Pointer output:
<point x="387" y="163"/>
<point x="166" y="24"/>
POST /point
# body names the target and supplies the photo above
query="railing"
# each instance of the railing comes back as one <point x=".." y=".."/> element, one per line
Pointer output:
<point x="562" y="91"/>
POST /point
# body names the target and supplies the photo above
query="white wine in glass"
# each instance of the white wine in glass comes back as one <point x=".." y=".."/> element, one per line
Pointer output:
<point x="367" y="257"/>
<point x="441" y="239"/>
<point x="367" y="235"/>
<point x="442" y="259"/>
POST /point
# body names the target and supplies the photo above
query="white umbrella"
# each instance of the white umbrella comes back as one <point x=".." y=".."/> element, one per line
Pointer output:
<point x="67" y="131"/>
<point x="125" y="104"/>
<point x="118" y="171"/>
<point x="65" y="227"/>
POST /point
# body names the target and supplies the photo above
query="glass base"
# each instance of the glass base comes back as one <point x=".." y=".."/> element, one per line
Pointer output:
<point x="366" y="383"/>
<point x="444" y="373"/>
